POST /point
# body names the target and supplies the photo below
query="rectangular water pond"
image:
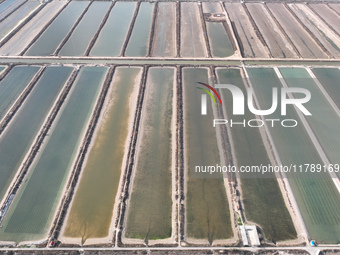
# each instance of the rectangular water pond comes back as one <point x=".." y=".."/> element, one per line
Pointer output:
<point x="48" y="42"/>
<point x="164" y="44"/>
<point x="329" y="78"/>
<point x="192" y="39"/>
<point x="220" y="43"/>
<point x="13" y="85"/>
<point x="150" y="206"/>
<point x="261" y="195"/>
<point x="17" y="16"/>
<point x="82" y="35"/>
<point x="324" y="120"/>
<point x="16" y="44"/>
<point x="92" y="209"/>
<point x="34" y="206"/>
<point x="139" y="40"/>
<point x="16" y="140"/>
<point x="111" y="38"/>
<point x="207" y="208"/>
<point x="315" y="193"/>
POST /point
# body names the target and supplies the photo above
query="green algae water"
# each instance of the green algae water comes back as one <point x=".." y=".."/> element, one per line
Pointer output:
<point x="34" y="206"/>
<point x="325" y="120"/>
<point x="20" y="133"/>
<point x="207" y="208"/>
<point x="329" y="78"/>
<point x="316" y="194"/>
<point x="150" y="207"/>
<point x="111" y="39"/>
<point x="261" y="196"/>
<point x="220" y="43"/>
<point x="92" y="209"/>
<point x="13" y="85"/>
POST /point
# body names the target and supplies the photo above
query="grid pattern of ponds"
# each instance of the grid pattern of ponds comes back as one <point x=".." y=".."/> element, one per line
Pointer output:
<point x="139" y="129"/>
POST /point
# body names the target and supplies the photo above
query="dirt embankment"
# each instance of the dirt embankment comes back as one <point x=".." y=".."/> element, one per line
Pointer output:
<point x="44" y="29"/>
<point x="178" y="29"/>
<point x="180" y="156"/>
<point x="226" y="143"/>
<point x="95" y="37"/>
<point x="160" y="252"/>
<point x="152" y="32"/>
<point x="237" y="36"/>
<point x="232" y="32"/>
<point x="126" y="180"/>
<point x="6" y="71"/>
<point x="40" y="138"/>
<point x="21" y="99"/>
<point x="227" y="157"/>
<point x="2" y="76"/>
<point x="56" y="52"/>
<point x="72" y="183"/>
<point x="205" y="32"/>
<point x="233" y="35"/>
<point x="132" y="24"/>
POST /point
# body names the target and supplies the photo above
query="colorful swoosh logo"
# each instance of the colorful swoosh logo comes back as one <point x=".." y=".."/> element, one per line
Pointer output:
<point x="209" y="93"/>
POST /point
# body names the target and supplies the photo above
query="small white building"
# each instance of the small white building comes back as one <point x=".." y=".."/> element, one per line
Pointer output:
<point x="249" y="235"/>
